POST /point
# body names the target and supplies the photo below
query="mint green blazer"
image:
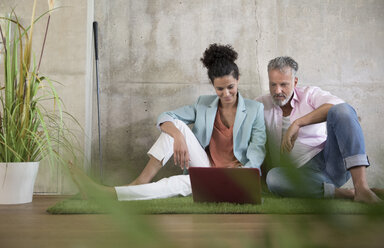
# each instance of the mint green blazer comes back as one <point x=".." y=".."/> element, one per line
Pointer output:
<point x="249" y="135"/>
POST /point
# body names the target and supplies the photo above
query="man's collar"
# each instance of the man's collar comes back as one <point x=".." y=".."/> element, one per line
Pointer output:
<point x="295" y="98"/>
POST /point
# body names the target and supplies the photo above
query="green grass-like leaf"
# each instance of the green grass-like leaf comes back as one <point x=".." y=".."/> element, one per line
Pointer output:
<point x="31" y="114"/>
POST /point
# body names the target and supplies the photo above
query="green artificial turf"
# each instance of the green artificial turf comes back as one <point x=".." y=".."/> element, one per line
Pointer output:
<point x="185" y="205"/>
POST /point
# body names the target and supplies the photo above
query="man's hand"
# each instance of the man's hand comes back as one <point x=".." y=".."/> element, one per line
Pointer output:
<point x="316" y="116"/>
<point x="180" y="152"/>
<point x="290" y="137"/>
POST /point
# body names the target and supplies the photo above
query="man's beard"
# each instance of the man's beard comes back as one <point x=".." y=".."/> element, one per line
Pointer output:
<point x="282" y="103"/>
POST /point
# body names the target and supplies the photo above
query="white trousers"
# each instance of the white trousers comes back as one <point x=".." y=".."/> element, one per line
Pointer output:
<point x="162" y="150"/>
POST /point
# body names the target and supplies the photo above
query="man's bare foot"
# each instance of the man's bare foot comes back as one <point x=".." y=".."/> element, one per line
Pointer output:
<point x="378" y="192"/>
<point x="344" y="193"/>
<point x="87" y="187"/>
<point x="366" y="195"/>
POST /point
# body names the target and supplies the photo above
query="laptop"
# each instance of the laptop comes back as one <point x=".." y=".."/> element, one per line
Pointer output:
<point x="234" y="185"/>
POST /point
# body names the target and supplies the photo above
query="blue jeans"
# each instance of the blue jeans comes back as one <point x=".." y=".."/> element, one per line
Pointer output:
<point x="344" y="149"/>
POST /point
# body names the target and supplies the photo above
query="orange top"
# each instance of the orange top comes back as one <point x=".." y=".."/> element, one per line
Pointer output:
<point x="221" y="145"/>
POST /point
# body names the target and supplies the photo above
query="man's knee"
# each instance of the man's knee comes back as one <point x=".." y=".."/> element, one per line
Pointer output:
<point x="273" y="180"/>
<point x="342" y="111"/>
<point x="285" y="181"/>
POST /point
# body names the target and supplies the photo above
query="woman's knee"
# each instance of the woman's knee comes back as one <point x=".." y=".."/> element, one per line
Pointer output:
<point x="180" y="124"/>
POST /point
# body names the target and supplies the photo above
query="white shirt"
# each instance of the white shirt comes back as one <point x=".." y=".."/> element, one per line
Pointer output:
<point x="300" y="153"/>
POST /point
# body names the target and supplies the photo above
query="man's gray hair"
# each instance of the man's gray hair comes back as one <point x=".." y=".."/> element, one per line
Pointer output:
<point x="280" y="63"/>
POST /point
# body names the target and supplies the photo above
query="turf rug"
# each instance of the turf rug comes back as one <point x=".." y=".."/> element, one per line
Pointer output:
<point x="185" y="205"/>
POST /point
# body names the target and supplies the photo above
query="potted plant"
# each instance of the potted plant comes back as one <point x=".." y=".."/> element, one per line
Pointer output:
<point x="31" y="118"/>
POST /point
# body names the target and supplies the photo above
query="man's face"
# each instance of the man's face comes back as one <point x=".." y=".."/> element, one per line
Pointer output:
<point x="281" y="86"/>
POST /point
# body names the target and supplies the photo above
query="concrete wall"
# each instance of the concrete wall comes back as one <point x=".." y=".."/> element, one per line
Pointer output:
<point x="149" y="63"/>
<point x="150" y="54"/>
<point x="339" y="47"/>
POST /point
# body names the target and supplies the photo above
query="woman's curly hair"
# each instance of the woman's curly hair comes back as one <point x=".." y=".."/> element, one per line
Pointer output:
<point x="220" y="61"/>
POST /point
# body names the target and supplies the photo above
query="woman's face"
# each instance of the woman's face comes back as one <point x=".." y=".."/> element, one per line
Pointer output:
<point x="226" y="89"/>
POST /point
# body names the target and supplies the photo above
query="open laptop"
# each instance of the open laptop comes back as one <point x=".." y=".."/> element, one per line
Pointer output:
<point x="234" y="185"/>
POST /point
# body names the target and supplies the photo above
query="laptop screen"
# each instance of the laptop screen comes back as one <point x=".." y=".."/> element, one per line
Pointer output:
<point x="235" y="185"/>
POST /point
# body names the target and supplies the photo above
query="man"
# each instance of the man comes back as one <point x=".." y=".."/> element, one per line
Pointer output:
<point x="315" y="132"/>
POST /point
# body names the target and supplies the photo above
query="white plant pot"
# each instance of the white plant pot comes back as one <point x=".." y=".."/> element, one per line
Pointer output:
<point x="17" y="181"/>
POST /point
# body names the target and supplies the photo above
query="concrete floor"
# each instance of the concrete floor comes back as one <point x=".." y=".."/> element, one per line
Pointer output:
<point x="29" y="225"/>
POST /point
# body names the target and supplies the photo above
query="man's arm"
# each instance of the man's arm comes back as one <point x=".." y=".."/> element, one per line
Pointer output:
<point x="316" y="116"/>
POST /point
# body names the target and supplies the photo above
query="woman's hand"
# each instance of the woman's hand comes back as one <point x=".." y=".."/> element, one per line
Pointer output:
<point x="180" y="148"/>
<point x="180" y="152"/>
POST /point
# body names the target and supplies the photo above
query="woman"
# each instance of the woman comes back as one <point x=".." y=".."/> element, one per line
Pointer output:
<point x="228" y="131"/>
